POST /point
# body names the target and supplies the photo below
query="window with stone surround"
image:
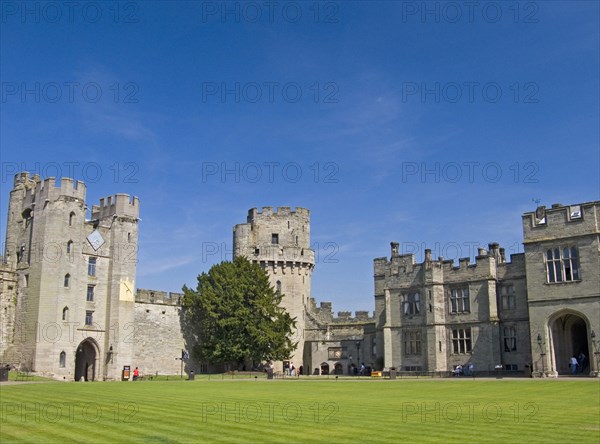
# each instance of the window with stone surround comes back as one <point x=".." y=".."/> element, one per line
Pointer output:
<point x="92" y="266"/>
<point x="412" y="343"/>
<point x="562" y="264"/>
<point x="67" y="280"/>
<point x="459" y="300"/>
<point x="69" y="246"/>
<point x="62" y="359"/>
<point x="90" y="293"/>
<point x="89" y="317"/>
<point x="507" y="297"/>
<point x="510" y="339"/>
<point x="461" y="341"/>
<point x="411" y="304"/>
<point x="71" y="218"/>
<point x="275" y="239"/>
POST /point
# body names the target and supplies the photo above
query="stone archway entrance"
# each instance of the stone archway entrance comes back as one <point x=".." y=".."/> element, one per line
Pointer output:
<point x="324" y="368"/>
<point x="569" y="337"/>
<point x="86" y="360"/>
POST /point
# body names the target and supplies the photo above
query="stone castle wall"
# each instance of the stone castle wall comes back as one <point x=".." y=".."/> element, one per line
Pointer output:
<point x="158" y="337"/>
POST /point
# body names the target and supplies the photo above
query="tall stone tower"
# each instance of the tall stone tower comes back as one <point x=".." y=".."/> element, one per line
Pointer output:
<point x="279" y="240"/>
<point x="76" y="279"/>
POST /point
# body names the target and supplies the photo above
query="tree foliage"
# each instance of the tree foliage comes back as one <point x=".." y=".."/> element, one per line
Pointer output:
<point x="235" y="315"/>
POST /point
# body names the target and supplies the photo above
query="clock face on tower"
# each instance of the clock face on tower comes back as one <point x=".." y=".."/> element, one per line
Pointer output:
<point x="95" y="239"/>
<point x="337" y="354"/>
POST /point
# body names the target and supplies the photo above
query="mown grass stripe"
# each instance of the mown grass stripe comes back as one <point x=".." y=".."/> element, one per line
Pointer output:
<point x="172" y="411"/>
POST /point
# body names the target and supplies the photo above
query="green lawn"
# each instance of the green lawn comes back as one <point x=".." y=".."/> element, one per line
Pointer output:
<point x="292" y="411"/>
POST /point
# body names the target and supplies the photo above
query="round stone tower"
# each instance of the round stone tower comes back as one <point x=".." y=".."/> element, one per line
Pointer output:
<point x="279" y="240"/>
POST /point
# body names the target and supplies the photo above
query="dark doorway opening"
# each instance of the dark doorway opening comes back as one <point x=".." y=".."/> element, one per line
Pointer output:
<point x="85" y="361"/>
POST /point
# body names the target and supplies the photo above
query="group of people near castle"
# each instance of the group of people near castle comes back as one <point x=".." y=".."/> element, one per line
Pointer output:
<point x="578" y="364"/>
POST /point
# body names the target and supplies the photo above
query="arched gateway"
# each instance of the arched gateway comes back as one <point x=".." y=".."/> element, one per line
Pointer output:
<point x="568" y="336"/>
<point x="86" y="360"/>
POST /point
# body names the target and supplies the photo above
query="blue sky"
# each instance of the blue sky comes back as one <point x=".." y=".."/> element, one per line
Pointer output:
<point x="432" y="124"/>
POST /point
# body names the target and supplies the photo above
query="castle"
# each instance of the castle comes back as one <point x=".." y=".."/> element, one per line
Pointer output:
<point x="70" y="308"/>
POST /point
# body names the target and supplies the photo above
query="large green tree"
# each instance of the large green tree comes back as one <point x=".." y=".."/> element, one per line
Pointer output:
<point x="234" y="314"/>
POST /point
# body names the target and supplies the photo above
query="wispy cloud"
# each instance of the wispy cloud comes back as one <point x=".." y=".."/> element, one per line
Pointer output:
<point x="165" y="264"/>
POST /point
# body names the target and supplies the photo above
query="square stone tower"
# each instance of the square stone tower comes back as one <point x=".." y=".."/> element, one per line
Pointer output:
<point x="562" y="257"/>
<point x="75" y="279"/>
<point x="279" y="240"/>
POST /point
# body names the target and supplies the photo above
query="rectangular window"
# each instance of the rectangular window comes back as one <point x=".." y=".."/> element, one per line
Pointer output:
<point x="92" y="266"/>
<point x="275" y="238"/>
<point x="461" y="341"/>
<point x="507" y="297"/>
<point x="412" y="343"/>
<point x="89" y="317"/>
<point x="411" y="304"/>
<point x="412" y="368"/>
<point x="459" y="300"/>
<point x="562" y="264"/>
<point x="90" y="293"/>
<point x="511" y="367"/>
<point x="510" y="339"/>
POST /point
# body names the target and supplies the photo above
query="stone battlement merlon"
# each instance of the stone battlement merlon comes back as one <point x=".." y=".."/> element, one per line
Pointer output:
<point x="25" y="178"/>
<point x="119" y="205"/>
<point x="48" y="189"/>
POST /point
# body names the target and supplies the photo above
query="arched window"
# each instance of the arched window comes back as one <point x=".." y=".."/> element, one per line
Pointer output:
<point x="65" y="316"/>
<point x="71" y="218"/>
<point x="62" y="359"/>
<point x="69" y="246"/>
<point x="67" y="280"/>
<point x="278" y="287"/>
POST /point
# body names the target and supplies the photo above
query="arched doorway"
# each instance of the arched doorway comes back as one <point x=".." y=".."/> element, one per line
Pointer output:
<point x="324" y="368"/>
<point x="338" y="369"/>
<point x="86" y="360"/>
<point x="569" y="337"/>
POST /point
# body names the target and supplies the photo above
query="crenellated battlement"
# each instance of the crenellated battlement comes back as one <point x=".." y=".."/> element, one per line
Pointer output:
<point x="324" y="314"/>
<point x="551" y="223"/>
<point x="119" y="205"/>
<point x="485" y="264"/>
<point x="158" y="297"/>
<point x="49" y="189"/>
<point x="267" y="212"/>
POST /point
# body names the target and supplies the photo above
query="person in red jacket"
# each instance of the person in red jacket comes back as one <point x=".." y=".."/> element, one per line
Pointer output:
<point x="136" y="374"/>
